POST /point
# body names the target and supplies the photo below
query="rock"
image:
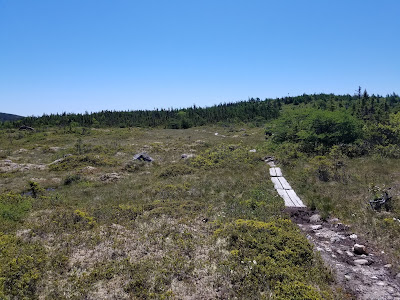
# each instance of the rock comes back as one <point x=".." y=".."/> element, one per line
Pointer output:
<point x="361" y="262"/>
<point x="253" y="150"/>
<point x="359" y="249"/>
<point x="388" y="266"/>
<point x="109" y="177"/>
<point x="334" y="220"/>
<point x="316" y="227"/>
<point x="338" y="251"/>
<point x="88" y="170"/>
<point x="398" y="276"/>
<point x="381" y="283"/>
<point x="186" y="156"/>
<point x="315" y="218"/>
<point x="269" y="158"/>
<point x="348" y="277"/>
<point x="54" y="149"/>
<point x="60" y="160"/>
<point x="143" y="156"/>
<point x="349" y="253"/>
<point x="353" y="236"/>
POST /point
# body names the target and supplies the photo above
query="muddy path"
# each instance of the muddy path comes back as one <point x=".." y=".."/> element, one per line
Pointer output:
<point x="359" y="269"/>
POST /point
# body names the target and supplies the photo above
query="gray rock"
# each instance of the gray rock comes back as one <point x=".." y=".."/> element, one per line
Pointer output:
<point x="109" y="177"/>
<point x="349" y="253"/>
<point x="334" y="220"/>
<point x="348" y="277"/>
<point x="253" y="150"/>
<point x="359" y="249"/>
<point x="316" y="227"/>
<point x="186" y="156"/>
<point x="143" y="156"/>
<point x="361" y="262"/>
<point x="388" y="266"/>
<point x="353" y="236"/>
<point x="315" y="218"/>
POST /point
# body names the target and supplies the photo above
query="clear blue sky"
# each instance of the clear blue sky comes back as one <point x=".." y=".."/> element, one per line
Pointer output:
<point x="90" y="55"/>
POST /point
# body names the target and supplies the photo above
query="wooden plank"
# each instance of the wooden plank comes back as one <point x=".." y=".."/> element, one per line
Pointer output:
<point x="278" y="172"/>
<point x="275" y="172"/>
<point x="276" y="183"/>
<point x="286" y="198"/>
<point x="295" y="199"/>
<point x="284" y="183"/>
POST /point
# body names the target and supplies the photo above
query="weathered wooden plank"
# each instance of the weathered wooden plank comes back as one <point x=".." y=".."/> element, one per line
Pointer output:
<point x="286" y="198"/>
<point x="295" y="199"/>
<point x="275" y="172"/>
<point x="284" y="183"/>
<point x="277" y="183"/>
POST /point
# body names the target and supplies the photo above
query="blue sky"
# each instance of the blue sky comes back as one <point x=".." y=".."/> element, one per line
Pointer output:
<point x="91" y="55"/>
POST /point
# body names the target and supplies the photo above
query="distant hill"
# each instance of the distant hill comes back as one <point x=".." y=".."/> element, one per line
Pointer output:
<point x="9" y="117"/>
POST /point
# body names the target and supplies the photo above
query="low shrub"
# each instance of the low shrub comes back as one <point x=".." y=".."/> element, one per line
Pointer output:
<point x="22" y="266"/>
<point x="267" y="256"/>
<point x="13" y="208"/>
<point x="175" y="170"/>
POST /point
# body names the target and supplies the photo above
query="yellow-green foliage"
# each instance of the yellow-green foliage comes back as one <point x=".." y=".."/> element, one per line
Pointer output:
<point x="83" y="219"/>
<point x="21" y="267"/>
<point x="295" y="290"/>
<point x="13" y="208"/>
<point x="271" y="256"/>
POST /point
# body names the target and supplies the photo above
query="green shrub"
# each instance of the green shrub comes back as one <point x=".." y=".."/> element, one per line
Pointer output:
<point x="175" y="170"/>
<point x="22" y="266"/>
<point x="295" y="290"/>
<point x="71" y="179"/>
<point x="13" y="208"/>
<point x="35" y="188"/>
<point x="316" y="130"/>
<point x="134" y="166"/>
<point x="233" y="156"/>
<point x="266" y="255"/>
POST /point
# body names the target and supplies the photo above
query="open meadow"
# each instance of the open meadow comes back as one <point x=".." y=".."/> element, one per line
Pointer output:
<point x="80" y="219"/>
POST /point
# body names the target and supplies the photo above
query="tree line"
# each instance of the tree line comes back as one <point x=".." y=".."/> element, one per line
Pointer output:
<point x="374" y="109"/>
<point x="253" y="110"/>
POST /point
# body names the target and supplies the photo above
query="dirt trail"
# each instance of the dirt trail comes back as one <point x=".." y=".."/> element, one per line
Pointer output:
<point x="359" y="268"/>
<point x="366" y="276"/>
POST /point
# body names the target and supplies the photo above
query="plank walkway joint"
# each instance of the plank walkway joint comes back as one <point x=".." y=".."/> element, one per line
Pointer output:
<point x="284" y="189"/>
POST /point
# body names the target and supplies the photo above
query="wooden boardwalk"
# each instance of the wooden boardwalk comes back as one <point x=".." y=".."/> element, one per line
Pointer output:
<point x="284" y="189"/>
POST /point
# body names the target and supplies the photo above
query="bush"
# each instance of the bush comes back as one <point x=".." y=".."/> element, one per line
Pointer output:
<point x="317" y="130"/>
<point x="13" y="208"/>
<point x="21" y="267"/>
<point x="175" y="170"/>
<point x="72" y="178"/>
<point x="266" y="255"/>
